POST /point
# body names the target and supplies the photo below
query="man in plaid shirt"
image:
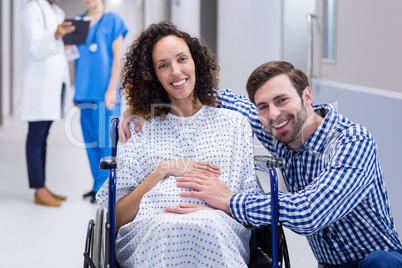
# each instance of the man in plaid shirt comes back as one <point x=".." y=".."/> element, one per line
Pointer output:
<point x="336" y="194"/>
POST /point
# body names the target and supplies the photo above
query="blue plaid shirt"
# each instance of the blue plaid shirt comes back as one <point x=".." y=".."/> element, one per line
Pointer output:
<point x="337" y="197"/>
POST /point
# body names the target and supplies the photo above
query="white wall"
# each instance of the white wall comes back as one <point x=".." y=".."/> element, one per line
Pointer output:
<point x="131" y="12"/>
<point x="154" y="11"/>
<point x="368" y="44"/>
<point x="249" y="34"/>
<point x="186" y="16"/>
<point x="18" y="55"/>
<point x="5" y="57"/>
<point x="295" y="30"/>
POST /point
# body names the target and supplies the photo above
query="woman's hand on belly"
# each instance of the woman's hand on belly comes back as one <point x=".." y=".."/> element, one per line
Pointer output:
<point x="182" y="166"/>
<point x="185" y="209"/>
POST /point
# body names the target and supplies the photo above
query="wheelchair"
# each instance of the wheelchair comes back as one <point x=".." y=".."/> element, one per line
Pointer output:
<point x="267" y="246"/>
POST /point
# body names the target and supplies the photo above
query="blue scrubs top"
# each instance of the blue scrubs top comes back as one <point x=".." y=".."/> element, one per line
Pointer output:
<point x="93" y="69"/>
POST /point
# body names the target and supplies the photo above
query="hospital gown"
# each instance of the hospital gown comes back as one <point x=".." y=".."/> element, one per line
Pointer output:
<point x="207" y="238"/>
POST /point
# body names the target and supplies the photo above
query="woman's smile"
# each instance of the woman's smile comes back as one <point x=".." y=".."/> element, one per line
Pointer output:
<point x="180" y="83"/>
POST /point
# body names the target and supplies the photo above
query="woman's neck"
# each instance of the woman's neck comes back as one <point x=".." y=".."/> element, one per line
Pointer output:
<point x="186" y="109"/>
<point x="96" y="12"/>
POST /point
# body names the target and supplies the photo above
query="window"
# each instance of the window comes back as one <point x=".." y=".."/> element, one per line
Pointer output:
<point x="329" y="19"/>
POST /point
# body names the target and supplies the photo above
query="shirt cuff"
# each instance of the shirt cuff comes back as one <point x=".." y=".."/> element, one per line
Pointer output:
<point x="238" y="207"/>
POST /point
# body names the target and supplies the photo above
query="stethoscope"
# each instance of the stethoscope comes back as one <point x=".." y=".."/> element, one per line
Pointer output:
<point x="93" y="47"/>
<point x="43" y="16"/>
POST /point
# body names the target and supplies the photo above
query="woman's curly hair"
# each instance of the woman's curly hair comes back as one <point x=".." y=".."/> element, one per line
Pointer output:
<point x="140" y="84"/>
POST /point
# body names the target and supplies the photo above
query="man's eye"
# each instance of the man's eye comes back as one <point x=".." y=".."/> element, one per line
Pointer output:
<point x="281" y="100"/>
<point x="263" y="107"/>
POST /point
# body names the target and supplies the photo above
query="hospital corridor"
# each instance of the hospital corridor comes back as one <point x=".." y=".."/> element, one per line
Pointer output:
<point x="349" y="51"/>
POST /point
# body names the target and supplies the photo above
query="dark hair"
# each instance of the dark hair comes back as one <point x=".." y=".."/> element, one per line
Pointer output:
<point x="268" y="70"/>
<point x="140" y="84"/>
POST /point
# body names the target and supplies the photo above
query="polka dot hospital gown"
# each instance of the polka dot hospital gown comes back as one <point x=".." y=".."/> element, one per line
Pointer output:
<point x="207" y="238"/>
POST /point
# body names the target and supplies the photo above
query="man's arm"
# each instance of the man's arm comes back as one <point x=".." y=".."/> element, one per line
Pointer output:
<point x="229" y="100"/>
<point x="226" y="99"/>
<point x="339" y="188"/>
<point x="336" y="192"/>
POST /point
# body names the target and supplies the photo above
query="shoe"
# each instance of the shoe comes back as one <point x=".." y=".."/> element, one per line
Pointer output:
<point x="54" y="203"/>
<point x="91" y="195"/>
<point x="59" y="197"/>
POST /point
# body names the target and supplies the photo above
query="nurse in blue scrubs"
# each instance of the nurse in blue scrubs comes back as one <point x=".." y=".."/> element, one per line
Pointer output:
<point x="97" y="83"/>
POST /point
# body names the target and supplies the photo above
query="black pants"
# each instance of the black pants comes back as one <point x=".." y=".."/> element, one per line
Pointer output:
<point x="36" y="152"/>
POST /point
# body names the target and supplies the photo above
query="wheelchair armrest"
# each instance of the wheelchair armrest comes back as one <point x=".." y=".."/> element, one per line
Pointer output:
<point x="108" y="162"/>
<point x="262" y="162"/>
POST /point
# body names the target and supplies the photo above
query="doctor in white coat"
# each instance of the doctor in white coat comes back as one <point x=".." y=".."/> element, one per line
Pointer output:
<point x="45" y="87"/>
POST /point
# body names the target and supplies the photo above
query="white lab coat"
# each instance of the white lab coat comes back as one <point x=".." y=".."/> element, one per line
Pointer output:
<point x="46" y="65"/>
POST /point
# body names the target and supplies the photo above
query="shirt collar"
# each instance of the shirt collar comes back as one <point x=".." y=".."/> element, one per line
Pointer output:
<point x="322" y="135"/>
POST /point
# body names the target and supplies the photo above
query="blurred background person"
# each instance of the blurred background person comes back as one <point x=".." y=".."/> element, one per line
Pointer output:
<point x="45" y="87"/>
<point x="96" y="84"/>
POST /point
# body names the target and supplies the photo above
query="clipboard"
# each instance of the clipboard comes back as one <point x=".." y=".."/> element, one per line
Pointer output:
<point x="79" y="36"/>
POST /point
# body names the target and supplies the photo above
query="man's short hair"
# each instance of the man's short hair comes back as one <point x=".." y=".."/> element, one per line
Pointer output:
<point x="268" y="70"/>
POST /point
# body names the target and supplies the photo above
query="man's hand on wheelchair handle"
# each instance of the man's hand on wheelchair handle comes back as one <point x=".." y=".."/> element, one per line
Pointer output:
<point x="209" y="188"/>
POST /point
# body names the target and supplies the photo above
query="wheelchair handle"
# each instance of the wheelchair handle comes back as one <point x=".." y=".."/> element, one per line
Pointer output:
<point x="114" y="135"/>
<point x="108" y="162"/>
<point x="262" y="162"/>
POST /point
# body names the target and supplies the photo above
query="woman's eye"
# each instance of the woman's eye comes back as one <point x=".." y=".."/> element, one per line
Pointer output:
<point x="183" y="59"/>
<point x="161" y="66"/>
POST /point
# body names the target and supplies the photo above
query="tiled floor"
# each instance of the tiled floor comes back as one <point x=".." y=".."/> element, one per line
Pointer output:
<point x="41" y="237"/>
<point x="38" y="236"/>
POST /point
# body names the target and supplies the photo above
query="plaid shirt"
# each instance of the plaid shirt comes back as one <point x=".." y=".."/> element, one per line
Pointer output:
<point x="337" y="197"/>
